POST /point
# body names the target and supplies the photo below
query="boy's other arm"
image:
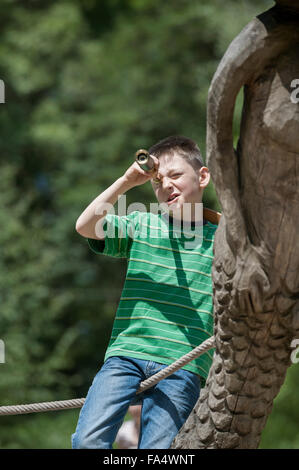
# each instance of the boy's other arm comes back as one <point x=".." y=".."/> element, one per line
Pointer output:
<point x="87" y="224"/>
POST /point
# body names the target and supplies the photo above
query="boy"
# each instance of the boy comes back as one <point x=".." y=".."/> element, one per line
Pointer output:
<point x="166" y="305"/>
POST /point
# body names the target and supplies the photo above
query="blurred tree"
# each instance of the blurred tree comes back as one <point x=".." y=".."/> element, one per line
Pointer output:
<point x="282" y="431"/>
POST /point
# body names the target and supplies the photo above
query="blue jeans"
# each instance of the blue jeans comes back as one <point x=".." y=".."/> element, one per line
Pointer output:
<point x="165" y="406"/>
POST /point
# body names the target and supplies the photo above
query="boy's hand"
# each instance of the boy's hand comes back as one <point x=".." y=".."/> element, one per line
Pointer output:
<point x="136" y="176"/>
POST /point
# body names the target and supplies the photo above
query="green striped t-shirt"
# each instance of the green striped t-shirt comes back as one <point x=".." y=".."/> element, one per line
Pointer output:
<point x="166" y="306"/>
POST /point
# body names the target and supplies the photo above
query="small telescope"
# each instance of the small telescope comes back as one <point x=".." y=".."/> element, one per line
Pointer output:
<point x="146" y="162"/>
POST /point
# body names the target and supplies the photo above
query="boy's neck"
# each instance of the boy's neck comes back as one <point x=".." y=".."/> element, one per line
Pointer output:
<point x="172" y="220"/>
<point x="196" y="217"/>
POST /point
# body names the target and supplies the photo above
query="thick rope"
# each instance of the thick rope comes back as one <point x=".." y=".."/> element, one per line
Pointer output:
<point x="196" y="352"/>
<point x="45" y="406"/>
<point x="78" y="402"/>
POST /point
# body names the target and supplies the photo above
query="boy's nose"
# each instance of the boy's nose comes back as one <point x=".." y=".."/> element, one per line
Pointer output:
<point x="166" y="182"/>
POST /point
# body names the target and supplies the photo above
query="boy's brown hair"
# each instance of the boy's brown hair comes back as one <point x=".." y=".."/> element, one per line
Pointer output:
<point x="185" y="147"/>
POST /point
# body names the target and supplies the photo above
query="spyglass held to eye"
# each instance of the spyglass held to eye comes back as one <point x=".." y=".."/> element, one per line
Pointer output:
<point x="146" y="162"/>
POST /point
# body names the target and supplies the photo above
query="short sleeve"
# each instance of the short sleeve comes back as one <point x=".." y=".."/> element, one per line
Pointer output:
<point x="119" y="234"/>
<point x="97" y="246"/>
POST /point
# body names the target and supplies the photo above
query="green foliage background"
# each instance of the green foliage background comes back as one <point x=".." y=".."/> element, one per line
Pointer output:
<point x="87" y="83"/>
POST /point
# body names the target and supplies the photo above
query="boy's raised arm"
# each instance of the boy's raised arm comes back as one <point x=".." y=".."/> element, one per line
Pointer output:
<point x="98" y="208"/>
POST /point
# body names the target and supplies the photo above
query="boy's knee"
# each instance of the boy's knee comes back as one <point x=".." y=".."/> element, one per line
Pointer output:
<point x="79" y="442"/>
<point x="88" y="441"/>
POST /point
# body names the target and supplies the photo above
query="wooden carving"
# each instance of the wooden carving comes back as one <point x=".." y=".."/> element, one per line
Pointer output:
<point x="256" y="266"/>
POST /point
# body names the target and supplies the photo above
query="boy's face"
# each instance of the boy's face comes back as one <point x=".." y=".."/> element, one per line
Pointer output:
<point x="180" y="179"/>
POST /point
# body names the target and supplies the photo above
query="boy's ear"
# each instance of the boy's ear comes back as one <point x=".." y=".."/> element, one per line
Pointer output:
<point x="204" y="176"/>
